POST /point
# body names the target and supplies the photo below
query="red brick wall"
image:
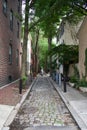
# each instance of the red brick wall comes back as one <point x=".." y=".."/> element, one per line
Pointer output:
<point x="6" y="37"/>
<point x="14" y="84"/>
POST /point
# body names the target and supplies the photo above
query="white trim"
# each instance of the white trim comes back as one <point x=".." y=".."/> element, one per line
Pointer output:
<point x="9" y="84"/>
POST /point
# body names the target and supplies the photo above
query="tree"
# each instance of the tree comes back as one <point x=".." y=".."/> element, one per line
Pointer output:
<point x="67" y="54"/>
<point x="25" y="39"/>
<point x="36" y="50"/>
<point x="28" y="6"/>
<point x="54" y="11"/>
<point x="43" y="51"/>
<point x="57" y="11"/>
<point x="49" y="13"/>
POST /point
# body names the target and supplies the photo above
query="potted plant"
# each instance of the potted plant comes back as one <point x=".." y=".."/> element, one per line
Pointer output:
<point x="24" y="79"/>
<point x="83" y="85"/>
<point x="73" y="81"/>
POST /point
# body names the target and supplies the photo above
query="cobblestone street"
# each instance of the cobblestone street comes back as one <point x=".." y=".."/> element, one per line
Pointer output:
<point x="43" y="107"/>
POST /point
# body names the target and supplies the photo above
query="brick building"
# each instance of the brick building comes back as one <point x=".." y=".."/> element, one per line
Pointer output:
<point x="10" y="45"/>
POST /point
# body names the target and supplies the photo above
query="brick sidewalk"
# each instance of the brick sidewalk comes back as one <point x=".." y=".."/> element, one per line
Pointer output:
<point x="10" y="95"/>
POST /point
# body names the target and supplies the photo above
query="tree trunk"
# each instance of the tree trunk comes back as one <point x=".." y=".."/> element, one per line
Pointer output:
<point x="46" y="69"/>
<point x="36" y="51"/>
<point x="25" y="39"/>
<point x="49" y="48"/>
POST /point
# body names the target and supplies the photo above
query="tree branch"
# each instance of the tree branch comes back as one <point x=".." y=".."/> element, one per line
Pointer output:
<point x="81" y="9"/>
<point x="43" y="17"/>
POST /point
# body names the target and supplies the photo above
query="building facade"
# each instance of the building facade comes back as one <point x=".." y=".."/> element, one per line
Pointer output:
<point x="10" y="45"/>
<point x="82" y="36"/>
<point x="67" y="35"/>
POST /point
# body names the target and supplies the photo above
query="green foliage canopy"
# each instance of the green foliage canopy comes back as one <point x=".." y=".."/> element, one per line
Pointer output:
<point x="43" y="51"/>
<point x="48" y="13"/>
<point x="67" y="54"/>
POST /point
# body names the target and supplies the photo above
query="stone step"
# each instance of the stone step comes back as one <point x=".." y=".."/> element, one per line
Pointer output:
<point x="52" y="128"/>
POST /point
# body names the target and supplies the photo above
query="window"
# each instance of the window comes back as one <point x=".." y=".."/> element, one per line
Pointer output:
<point x="17" y="57"/>
<point x="10" y="53"/>
<point x="5" y="7"/>
<point x="18" y="29"/>
<point x="11" y="19"/>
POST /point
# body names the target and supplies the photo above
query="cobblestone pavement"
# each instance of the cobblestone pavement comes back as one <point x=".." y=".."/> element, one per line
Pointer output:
<point x="43" y="107"/>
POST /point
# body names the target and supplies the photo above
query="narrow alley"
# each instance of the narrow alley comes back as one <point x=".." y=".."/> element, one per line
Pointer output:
<point x="43" y="110"/>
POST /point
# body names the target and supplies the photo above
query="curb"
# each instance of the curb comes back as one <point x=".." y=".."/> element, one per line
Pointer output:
<point x="16" y="108"/>
<point x="74" y="114"/>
